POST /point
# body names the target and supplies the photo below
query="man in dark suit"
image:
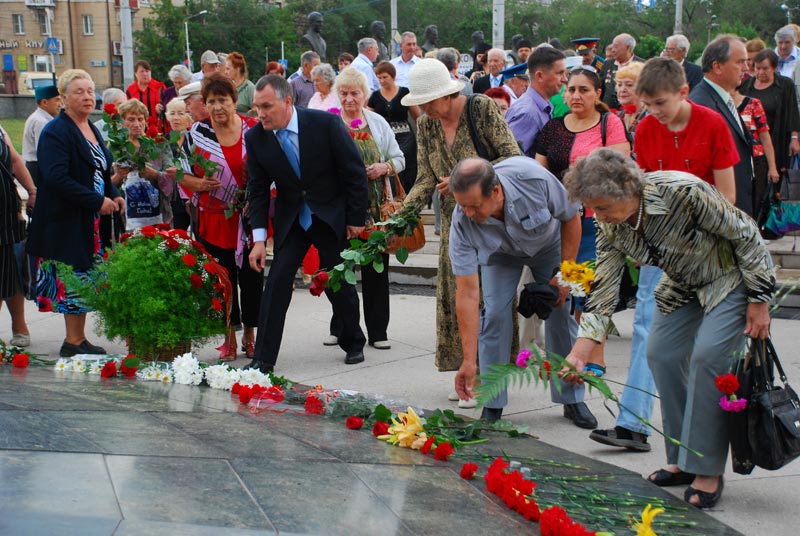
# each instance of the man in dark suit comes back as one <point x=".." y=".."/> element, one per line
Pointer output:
<point x="677" y="47"/>
<point x="495" y="61"/>
<point x="622" y="49"/>
<point x="723" y="63"/>
<point x="322" y="200"/>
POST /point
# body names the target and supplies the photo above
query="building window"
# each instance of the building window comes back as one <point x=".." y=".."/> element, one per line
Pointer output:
<point x="19" y="24"/>
<point x="41" y="64"/>
<point x="88" y="25"/>
<point x="44" y="22"/>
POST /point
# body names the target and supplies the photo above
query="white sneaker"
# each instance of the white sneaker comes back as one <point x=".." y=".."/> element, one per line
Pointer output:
<point x="380" y="345"/>
<point x="331" y="340"/>
<point x="453" y="397"/>
<point x="467" y="404"/>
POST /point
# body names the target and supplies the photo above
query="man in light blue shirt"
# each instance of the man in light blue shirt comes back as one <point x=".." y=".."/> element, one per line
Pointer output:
<point x="547" y="70"/>
<point x="787" y="50"/>
<point x="512" y="215"/>
<point x="406" y="60"/>
<point x="367" y="54"/>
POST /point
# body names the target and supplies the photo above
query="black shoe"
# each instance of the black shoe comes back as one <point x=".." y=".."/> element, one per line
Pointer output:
<point x="354" y="357"/>
<point x="705" y="499"/>
<point x="263" y="366"/>
<point x="621" y="437"/>
<point x="664" y="479"/>
<point x="492" y="414"/>
<point x="69" y="350"/>
<point x="579" y="414"/>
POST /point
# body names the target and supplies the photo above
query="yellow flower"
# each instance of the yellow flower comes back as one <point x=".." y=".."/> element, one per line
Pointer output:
<point x="405" y="431"/>
<point x="645" y="528"/>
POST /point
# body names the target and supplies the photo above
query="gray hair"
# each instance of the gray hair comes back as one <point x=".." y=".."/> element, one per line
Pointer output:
<point x="496" y="52"/>
<point x="718" y="50"/>
<point x="352" y="77"/>
<point x="604" y="173"/>
<point x="308" y="56"/>
<point x="325" y="71"/>
<point x="627" y="39"/>
<point x="448" y="56"/>
<point x="785" y="33"/>
<point x="365" y="43"/>
<point x="180" y="71"/>
<point x="278" y="84"/>
<point x="472" y="171"/>
<point x="680" y="41"/>
<point x="112" y="94"/>
<point x="408" y="34"/>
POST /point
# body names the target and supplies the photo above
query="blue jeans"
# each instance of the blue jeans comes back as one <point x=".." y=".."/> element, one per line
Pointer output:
<point x="639" y="375"/>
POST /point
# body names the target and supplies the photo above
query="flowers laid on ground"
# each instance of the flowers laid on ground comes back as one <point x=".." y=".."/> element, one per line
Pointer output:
<point x="17" y="357"/>
<point x="578" y="277"/>
<point x="159" y="288"/>
<point x="728" y="384"/>
<point x="645" y="527"/>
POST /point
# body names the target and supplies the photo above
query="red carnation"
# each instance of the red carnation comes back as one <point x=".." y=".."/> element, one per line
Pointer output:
<point x="380" y="428"/>
<point x="171" y="244"/>
<point x="274" y="393"/>
<point x="545" y="366"/>
<point x="109" y="370"/>
<point x="216" y="304"/>
<point x="149" y="231"/>
<point x="124" y="236"/>
<point x="443" y="451"/>
<point x="180" y="233"/>
<point x="354" y="423"/>
<point x="727" y="383"/>
<point x="129" y="372"/>
<point x="196" y="279"/>
<point x="314" y="405"/>
<point x="20" y="360"/>
<point x="219" y="287"/>
<point x="245" y="393"/>
<point x="210" y="267"/>
<point x="110" y="109"/>
<point x="235" y="388"/>
<point x="468" y="470"/>
<point x="426" y="448"/>
<point x="189" y="260"/>
<point x="162" y="226"/>
<point x="198" y="245"/>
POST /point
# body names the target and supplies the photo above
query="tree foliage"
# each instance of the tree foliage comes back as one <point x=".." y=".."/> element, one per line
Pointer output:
<point x="251" y="25"/>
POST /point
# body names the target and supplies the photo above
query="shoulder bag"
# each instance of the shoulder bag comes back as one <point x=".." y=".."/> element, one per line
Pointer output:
<point x="473" y="129"/>
<point x="393" y="203"/>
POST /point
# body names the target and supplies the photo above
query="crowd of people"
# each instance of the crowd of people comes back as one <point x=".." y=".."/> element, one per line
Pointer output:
<point x="533" y="157"/>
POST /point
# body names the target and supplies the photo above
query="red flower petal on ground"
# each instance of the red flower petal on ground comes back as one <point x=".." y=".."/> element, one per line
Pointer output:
<point x="189" y="260"/>
<point x="443" y="451"/>
<point x="196" y="280"/>
<point x="20" y="360"/>
<point x="149" y="231"/>
<point x="109" y="370"/>
<point x="216" y="304"/>
<point x="171" y="244"/>
<point x="380" y="428"/>
<point x="314" y="405"/>
<point x="468" y="470"/>
<point x="426" y="448"/>
<point x="354" y="423"/>
<point x="727" y="383"/>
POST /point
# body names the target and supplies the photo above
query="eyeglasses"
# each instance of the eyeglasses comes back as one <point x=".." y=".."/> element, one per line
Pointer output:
<point x="670" y="49"/>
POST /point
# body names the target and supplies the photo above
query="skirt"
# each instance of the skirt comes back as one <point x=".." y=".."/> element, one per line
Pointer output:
<point x="10" y="280"/>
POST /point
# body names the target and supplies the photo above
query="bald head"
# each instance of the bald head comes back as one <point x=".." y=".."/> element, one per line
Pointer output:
<point x="623" y="46"/>
<point x="495" y="61"/>
<point x="472" y="171"/>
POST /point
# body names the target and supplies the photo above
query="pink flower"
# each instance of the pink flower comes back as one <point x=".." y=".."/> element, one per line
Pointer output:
<point x="522" y="358"/>
<point x="734" y="406"/>
<point x="356" y="123"/>
<point x="334" y="111"/>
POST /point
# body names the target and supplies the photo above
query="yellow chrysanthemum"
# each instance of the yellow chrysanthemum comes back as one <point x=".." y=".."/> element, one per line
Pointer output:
<point x="405" y="431"/>
<point x="645" y="528"/>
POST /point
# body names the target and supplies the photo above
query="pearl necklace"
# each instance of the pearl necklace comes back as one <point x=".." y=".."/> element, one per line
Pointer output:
<point x="639" y="217"/>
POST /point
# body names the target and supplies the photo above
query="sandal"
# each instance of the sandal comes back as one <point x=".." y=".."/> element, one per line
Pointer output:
<point x="249" y="349"/>
<point x="664" y="478"/>
<point x="705" y="498"/>
<point x="227" y="352"/>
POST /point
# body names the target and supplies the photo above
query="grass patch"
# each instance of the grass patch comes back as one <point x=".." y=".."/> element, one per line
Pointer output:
<point x="14" y="128"/>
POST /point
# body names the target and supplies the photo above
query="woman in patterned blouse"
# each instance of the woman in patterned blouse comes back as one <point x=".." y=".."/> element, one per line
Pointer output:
<point x="718" y="279"/>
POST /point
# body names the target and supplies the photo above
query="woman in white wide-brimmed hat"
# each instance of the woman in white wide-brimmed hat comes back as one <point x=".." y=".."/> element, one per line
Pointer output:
<point x="443" y="140"/>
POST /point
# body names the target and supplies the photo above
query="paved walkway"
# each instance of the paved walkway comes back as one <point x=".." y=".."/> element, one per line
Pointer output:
<point x="107" y="433"/>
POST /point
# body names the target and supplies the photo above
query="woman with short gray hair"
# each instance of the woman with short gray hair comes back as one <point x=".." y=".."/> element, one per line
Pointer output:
<point x="323" y="98"/>
<point x="717" y="285"/>
<point x="180" y="76"/>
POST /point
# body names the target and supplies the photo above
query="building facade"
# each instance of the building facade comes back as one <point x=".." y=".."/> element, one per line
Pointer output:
<point x="56" y="35"/>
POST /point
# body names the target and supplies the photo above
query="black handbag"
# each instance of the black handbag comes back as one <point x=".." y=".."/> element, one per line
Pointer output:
<point x="767" y="433"/>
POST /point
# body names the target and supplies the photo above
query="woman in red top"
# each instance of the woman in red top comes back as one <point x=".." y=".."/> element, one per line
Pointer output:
<point x="228" y="238"/>
<point x="149" y="91"/>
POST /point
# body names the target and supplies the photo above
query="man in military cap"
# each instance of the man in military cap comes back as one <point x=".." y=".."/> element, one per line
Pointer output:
<point x="48" y="104"/>
<point x="515" y="80"/>
<point x="586" y="47"/>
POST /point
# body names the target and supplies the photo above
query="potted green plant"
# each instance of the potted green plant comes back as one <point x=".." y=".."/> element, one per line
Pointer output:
<point x="159" y="290"/>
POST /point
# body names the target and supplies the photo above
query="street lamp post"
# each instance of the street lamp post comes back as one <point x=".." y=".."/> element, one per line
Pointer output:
<point x="186" y="31"/>
<point x="788" y="11"/>
<point x="711" y="25"/>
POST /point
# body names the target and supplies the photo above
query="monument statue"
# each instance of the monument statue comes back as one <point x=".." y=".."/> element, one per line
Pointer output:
<point x="431" y="38"/>
<point x="378" y="29"/>
<point x="312" y="39"/>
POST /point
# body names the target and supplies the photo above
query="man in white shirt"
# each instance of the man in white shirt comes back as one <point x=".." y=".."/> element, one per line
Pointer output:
<point x="406" y="60"/>
<point x="367" y="54"/>
<point x="787" y="50"/>
<point x="48" y="104"/>
<point x="495" y="61"/>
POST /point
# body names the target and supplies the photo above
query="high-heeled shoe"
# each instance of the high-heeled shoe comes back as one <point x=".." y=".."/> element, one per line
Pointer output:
<point x="249" y="349"/>
<point x="227" y="352"/>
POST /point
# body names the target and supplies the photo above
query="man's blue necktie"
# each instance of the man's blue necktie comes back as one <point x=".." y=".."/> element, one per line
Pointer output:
<point x="291" y="154"/>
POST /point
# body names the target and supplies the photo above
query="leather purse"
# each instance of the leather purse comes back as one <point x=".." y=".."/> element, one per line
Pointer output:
<point x="393" y="203"/>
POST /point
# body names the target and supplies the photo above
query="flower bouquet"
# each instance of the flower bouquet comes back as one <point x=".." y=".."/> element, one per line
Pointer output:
<point x="159" y="290"/>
